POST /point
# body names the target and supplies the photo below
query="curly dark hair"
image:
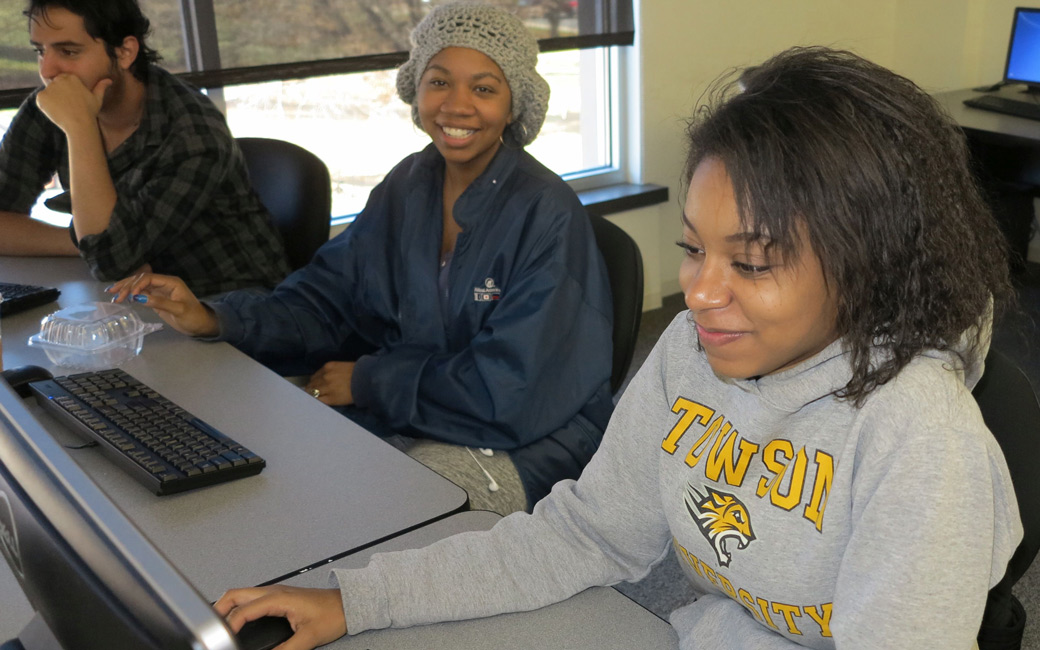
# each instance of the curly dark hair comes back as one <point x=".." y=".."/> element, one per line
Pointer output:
<point x="880" y="177"/>
<point x="108" y="20"/>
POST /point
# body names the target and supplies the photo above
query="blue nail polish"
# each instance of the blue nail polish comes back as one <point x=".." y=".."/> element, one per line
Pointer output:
<point x="109" y="288"/>
<point x="138" y="297"/>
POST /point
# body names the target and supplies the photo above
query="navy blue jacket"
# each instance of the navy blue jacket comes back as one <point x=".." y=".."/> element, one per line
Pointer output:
<point x="522" y="360"/>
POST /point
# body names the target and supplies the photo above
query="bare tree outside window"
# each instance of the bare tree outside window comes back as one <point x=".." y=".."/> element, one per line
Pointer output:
<point x="328" y="29"/>
<point x="17" y="59"/>
<point x="167" y="32"/>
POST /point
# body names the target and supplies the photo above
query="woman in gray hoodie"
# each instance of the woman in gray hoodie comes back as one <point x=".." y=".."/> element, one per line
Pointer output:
<point x="804" y="437"/>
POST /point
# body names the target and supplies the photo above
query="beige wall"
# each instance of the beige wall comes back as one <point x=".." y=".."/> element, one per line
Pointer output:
<point x="681" y="45"/>
<point x="948" y="44"/>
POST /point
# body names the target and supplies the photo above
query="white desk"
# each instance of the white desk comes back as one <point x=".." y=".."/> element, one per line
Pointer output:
<point x="329" y="487"/>
<point x="594" y="619"/>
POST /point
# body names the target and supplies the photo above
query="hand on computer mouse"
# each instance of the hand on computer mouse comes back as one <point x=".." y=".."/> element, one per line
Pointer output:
<point x="316" y="615"/>
<point x="264" y="633"/>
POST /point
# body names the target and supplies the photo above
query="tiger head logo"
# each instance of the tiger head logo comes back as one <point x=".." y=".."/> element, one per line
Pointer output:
<point x="722" y="518"/>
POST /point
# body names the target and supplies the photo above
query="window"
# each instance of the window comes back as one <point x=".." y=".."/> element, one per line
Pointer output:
<point x="320" y="73"/>
<point x="17" y="60"/>
<point x="361" y="129"/>
<point x="167" y="29"/>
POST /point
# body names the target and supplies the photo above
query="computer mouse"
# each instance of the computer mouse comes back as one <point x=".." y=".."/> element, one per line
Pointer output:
<point x="264" y="633"/>
<point x="20" y="377"/>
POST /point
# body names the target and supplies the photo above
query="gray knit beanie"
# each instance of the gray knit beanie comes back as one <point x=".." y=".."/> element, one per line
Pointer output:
<point x="500" y="36"/>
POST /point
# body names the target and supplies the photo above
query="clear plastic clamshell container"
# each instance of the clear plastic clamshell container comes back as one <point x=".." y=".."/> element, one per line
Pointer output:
<point x="92" y="336"/>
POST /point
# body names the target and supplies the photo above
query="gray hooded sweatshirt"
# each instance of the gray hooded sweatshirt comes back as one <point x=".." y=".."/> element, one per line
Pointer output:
<point x="799" y="519"/>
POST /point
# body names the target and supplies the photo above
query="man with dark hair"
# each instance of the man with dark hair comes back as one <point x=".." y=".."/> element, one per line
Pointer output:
<point x="153" y="178"/>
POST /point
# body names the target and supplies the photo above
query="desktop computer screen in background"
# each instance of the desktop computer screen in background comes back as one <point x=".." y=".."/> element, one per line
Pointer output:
<point x="93" y="578"/>
<point x="1023" y="61"/>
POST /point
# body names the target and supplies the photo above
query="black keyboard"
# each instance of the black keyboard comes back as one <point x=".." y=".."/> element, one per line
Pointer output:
<point x="160" y="444"/>
<point x="19" y="297"/>
<point x="997" y="104"/>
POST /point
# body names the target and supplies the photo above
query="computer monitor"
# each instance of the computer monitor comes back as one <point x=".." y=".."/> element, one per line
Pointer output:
<point x="1023" y="59"/>
<point x="92" y="577"/>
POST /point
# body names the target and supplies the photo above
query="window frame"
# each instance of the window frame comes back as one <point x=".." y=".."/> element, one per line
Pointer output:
<point x="202" y="50"/>
<point x="202" y="58"/>
<point x="617" y="172"/>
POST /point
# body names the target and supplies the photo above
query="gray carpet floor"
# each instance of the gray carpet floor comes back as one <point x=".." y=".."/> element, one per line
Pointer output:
<point x="665" y="588"/>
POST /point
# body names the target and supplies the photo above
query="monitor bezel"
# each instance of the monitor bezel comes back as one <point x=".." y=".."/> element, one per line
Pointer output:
<point x="99" y="542"/>
<point x="1035" y="83"/>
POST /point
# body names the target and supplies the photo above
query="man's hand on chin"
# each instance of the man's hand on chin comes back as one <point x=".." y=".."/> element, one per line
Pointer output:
<point x="69" y="104"/>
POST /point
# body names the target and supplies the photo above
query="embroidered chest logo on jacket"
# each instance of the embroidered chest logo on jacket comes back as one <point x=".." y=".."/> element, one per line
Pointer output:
<point x="487" y="292"/>
<point x="722" y="519"/>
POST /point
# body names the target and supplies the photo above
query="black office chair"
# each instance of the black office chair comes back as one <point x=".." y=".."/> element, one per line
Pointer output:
<point x="1009" y="407"/>
<point x="625" y="273"/>
<point x="294" y="185"/>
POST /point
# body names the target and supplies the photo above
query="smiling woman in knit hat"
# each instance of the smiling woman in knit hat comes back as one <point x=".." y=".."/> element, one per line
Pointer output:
<point x="467" y="307"/>
<point x="473" y="86"/>
<point x="500" y="37"/>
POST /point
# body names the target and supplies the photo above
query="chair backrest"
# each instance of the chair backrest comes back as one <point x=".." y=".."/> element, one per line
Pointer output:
<point x="1010" y="409"/>
<point x="295" y="187"/>
<point x="625" y="273"/>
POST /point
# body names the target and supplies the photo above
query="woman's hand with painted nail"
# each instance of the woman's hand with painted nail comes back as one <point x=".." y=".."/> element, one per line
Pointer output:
<point x="171" y="299"/>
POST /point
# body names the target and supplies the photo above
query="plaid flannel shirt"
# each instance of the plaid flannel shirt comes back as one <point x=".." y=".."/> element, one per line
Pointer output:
<point x="184" y="201"/>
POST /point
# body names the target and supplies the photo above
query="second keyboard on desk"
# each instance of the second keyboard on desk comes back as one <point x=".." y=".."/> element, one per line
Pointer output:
<point x="1017" y="107"/>
<point x="19" y="297"/>
<point x="158" y="443"/>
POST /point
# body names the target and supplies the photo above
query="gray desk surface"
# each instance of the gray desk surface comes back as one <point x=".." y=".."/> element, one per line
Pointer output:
<point x="330" y="487"/>
<point x="982" y="121"/>
<point x="597" y="618"/>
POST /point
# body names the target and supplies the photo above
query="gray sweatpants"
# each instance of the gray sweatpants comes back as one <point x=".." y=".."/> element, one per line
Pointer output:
<point x="454" y="463"/>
